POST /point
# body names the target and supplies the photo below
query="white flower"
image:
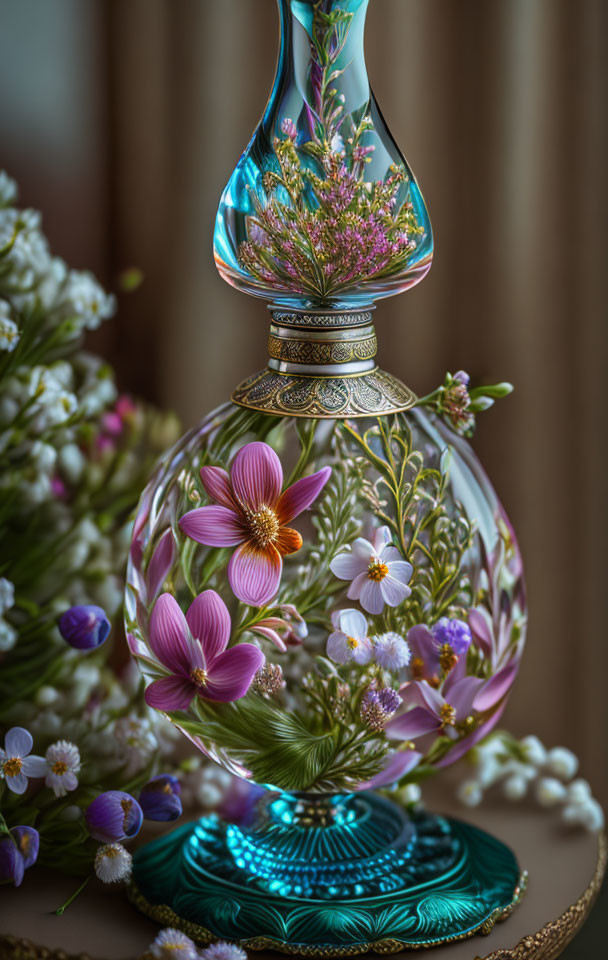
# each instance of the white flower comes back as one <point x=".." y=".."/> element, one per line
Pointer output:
<point x="578" y="791"/>
<point x="16" y="763"/>
<point x="410" y="793"/>
<point x="337" y="144"/>
<point x="391" y="651"/>
<point x="113" y="863"/>
<point x="8" y="189"/>
<point x="43" y="456"/>
<point x="171" y="944"/>
<point x="46" y="696"/>
<point x="350" y="640"/>
<point x="489" y="769"/>
<point x="470" y="793"/>
<point x="63" y="761"/>
<point x="515" y="787"/>
<point x="72" y="462"/>
<point x="9" y="331"/>
<point x="88" y="299"/>
<point x="8" y="636"/>
<point x="534" y="751"/>
<point x="378" y="572"/>
<point x="7" y="595"/>
<point x="223" y="951"/>
<point x="137" y="742"/>
<point x="562" y="762"/>
<point x="550" y="792"/>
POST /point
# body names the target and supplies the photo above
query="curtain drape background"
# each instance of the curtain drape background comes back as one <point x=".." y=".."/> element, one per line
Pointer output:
<point x="122" y="120"/>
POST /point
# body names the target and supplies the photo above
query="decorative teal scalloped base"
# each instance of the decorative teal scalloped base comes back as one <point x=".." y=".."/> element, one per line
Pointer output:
<point x="335" y="877"/>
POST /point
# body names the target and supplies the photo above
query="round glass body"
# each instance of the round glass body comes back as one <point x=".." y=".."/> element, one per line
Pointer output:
<point x="322" y="208"/>
<point x="363" y="611"/>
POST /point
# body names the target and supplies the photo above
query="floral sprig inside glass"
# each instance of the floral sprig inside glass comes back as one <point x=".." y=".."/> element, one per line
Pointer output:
<point x="375" y="644"/>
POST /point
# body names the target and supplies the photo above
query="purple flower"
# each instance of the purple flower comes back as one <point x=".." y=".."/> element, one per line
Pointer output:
<point x="193" y="648"/>
<point x="455" y="633"/>
<point x="349" y="641"/>
<point x="159" y="798"/>
<point x="18" y="851"/>
<point x="251" y="513"/>
<point x="16" y="764"/>
<point x="378" y="706"/>
<point x="378" y="572"/>
<point x="84" y="627"/>
<point x="433" y="712"/>
<point x="113" y="815"/>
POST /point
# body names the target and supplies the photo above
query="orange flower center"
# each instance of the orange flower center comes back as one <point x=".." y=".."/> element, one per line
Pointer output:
<point x="377" y="571"/>
<point x="448" y="715"/>
<point x="263" y="526"/>
<point x="447" y="658"/>
<point x="111" y="853"/>
<point x="59" y="767"/>
<point x="12" y="766"/>
<point x="199" y="676"/>
<point x="352" y="643"/>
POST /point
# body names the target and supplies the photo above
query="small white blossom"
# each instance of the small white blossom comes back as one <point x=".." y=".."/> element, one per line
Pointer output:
<point x="223" y="951"/>
<point x="489" y="769"/>
<point x="72" y="462"/>
<point x="562" y="762"/>
<point x="8" y="189"/>
<point x="578" y="791"/>
<point x="515" y="787"/>
<point x="410" y="793"/>
<point x="113" y="863"/>
<point x="7" y="595"/>
<point x="550" y="792"/>
<point x="88" y="300"/>
<point x="171" y="944"/>
<point x="46" y="696"/>
<point x="470" y="793"/>
<point x="9" y="331"/>
<point x="8" y="636"/>
<point x="137" y="741"/>
<point x="63" y="760"/>
<point x="43" y="456"/>
<point x="391" y="651"/>
<point x="534" y="751"/>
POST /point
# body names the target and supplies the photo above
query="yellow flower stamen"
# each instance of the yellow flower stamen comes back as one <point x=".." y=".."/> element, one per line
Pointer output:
<point x="12" y="766"/>
<point x="377" y="571"/>
<point x="352" y="643"/>
<point x="59" y="767"/>
<point x="447" y="715"/>
<point x="263" y="526"/>
<point x="199" y="676"/>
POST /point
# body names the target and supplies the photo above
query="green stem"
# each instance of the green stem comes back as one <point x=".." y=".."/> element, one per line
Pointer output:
<point x="61" y="910"/>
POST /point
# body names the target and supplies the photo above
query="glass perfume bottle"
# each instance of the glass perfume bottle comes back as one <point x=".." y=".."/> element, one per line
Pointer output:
<point x="324" y="592"/>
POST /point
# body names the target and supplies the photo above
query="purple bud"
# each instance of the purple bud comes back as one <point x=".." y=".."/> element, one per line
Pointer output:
<point x="18" y="851"/>
<point x="455" y="633"/>
<point x="12" y="866"/>
<point x="289" y="128"/>
<point x="114" y="815"/>
<point x="462" y="377"/>
<point x="389" y="700"/>
<point x="28" y="842"/>
<point x="159" y="798"/>
<point x="84" y="627"/>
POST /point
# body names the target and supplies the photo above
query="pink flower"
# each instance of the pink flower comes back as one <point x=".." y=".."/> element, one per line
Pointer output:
<point x="193" y="648"/>
<point x="252" y="514"/>
<point x="433" y="712"/>
<point x="378" y="572"/>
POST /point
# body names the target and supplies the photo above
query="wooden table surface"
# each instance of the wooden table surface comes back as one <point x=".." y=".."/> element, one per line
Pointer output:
<point x="565" y="869"/>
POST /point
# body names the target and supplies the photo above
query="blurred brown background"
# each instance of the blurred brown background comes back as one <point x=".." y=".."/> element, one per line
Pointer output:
<point x="122" y="120"/>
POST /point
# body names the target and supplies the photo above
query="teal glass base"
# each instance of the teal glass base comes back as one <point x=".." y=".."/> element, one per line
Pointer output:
<point x="328" y="876"/>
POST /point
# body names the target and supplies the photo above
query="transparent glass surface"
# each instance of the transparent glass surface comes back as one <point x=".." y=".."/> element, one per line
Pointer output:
<point x="322" y="209"/>
<point x="388" y="642"/>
